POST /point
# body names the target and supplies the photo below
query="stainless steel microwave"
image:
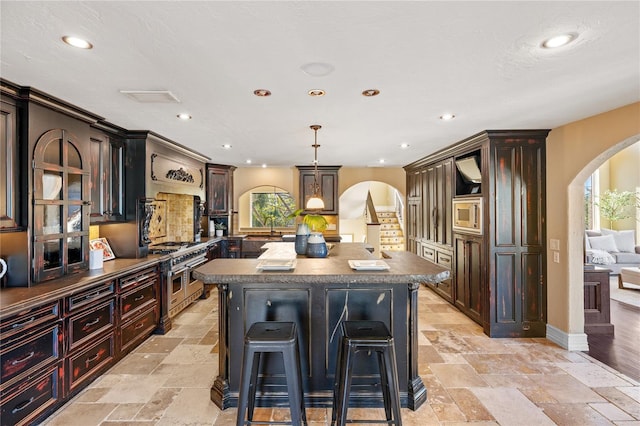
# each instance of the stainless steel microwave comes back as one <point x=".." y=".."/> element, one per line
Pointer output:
<point x="467" y="215"/>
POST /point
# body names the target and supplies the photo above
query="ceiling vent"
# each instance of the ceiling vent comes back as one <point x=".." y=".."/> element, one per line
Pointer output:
<point x="152" y="96"/>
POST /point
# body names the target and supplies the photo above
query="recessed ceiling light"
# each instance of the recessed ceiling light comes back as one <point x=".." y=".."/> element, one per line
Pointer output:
<point x="559" y="40"/>
<point x="264" y="166"/>
<point x="262" y="92"/>
<point x="316" y="92"/>
<point x="248" y="161"/>
<point x="317" y="69"/>
<point x="404" y="145"/>
<point x="370" y="92"/>
<point x="381" y="161"/>
<point x="226" y="146"/>
<point x="184" y="116"/>
<point x="447" y="117"/>
<point x="77" y="42"/>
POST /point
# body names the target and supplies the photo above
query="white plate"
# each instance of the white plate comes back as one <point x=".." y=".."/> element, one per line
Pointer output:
<point x="276" y="264"/>
<point x="368" y="265"/>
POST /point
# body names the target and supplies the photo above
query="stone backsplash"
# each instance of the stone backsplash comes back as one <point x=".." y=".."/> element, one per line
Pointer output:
<point x="172" y="218"/>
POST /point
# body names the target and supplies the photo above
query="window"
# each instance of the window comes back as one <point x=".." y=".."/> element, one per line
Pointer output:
<point x="270" y="207"/>
<point x="591" y="193"/>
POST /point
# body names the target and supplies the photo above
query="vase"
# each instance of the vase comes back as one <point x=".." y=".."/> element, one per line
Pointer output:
<point x="302" y="235"/>
<point x="316" y="245"/>
<point x="219" y="232"/>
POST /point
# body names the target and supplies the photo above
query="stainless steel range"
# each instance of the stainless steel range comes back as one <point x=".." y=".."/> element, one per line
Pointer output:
<point x="182" y="287"/>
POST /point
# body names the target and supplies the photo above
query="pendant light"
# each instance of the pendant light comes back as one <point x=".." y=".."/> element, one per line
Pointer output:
<point x="315" y="202"/>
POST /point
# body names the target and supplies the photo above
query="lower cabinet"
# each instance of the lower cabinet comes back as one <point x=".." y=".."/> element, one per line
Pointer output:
<point x="468" y="276"/>
<point x="443" y="256"/>
<point x="48" y="353"/>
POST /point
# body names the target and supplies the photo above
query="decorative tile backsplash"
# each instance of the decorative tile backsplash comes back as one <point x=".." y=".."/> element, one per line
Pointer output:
<point x="172" y="218"/>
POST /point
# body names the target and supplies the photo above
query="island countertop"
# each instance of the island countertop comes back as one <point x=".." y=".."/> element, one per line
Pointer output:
<point x="404" y="267"/>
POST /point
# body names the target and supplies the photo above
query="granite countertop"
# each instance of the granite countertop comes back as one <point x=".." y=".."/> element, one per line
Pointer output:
<point x="15" y="299"/>
<point x="405" y="267"/>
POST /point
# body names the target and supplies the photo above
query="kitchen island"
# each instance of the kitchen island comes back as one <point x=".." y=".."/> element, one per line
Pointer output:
<point x="317" y="294"/>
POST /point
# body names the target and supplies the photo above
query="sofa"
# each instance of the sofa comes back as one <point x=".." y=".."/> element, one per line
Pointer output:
<point x="612" y="249"/>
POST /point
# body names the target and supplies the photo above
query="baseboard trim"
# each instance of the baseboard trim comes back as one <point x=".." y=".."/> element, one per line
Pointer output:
<point x="570" y="342"/>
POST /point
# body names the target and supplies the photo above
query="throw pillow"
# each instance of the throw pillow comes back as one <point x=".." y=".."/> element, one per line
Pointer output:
<point x="606" y="243"/>
<point x="601" y="257"/>
<point x="625" y="240"/>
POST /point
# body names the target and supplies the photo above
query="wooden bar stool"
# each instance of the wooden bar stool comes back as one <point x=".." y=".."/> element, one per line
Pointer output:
<point x="271" y="336"/>
<point x="370" y="336"/>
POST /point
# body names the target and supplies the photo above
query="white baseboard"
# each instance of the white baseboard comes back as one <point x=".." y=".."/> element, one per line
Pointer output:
<point x="570" y="342"/>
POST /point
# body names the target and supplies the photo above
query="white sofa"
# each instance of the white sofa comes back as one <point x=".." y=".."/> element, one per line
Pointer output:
<point x="612" y="249"/>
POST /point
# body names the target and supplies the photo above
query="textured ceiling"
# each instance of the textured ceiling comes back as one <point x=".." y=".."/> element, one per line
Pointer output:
<point x="478" y="60"/>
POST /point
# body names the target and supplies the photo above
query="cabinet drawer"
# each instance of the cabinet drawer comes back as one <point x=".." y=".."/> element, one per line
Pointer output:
<point x="29" y="399"/>
<point x="84" y="326"/>
<point x="29" y="351"/>
<point x="83" y="365"/>
<point x="132" y="280"/>
<point x="81" y="300"/>
<point x="137" y="299"/>
<point x="429" y="253"/>
<point x="29" y="318"/>
<point x="137" y="329"/>
<point x="444" y="259"/>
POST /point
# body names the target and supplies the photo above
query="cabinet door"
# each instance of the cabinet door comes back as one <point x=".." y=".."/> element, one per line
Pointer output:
<point x="328" y="183"/>
<point x="8" y="167"/>
<point x="469" y="276"/>
<point x="218" y="191"/>
<point x="107" y="183"/>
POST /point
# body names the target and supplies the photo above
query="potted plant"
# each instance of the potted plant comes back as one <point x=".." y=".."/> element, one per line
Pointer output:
<point x="220" y="227"/>
<point x="615" y="205"/>
<point x="315" y="222"/>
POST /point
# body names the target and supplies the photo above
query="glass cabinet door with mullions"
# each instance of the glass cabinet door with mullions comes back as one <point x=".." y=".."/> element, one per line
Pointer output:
<point x="61" y="206"/>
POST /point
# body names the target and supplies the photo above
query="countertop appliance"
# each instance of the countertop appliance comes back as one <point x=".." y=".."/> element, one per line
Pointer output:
<point x="182" y="287"/>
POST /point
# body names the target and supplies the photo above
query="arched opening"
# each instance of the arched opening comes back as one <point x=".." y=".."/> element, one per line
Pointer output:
<point x="576" y="231"/>
<point x="365" y="203"/>
<point x="266" y="208"/>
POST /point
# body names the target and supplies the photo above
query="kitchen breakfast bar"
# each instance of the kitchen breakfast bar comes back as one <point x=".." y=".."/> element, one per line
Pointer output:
<point x="317" y="294"/>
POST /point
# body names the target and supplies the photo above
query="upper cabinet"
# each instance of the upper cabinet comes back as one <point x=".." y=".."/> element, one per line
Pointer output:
<point x="328" y="183"/>
<point x="8" y="166"/>
<point x="107" y="154"/>
<point x="219" y="189"/>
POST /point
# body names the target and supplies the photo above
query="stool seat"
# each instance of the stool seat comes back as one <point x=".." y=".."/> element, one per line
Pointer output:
<point x="370" y="336"/>
<point x="263" y="337"/>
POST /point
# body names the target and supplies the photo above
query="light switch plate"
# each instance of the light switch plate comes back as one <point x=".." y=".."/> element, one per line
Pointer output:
<point x="554" y="244"/>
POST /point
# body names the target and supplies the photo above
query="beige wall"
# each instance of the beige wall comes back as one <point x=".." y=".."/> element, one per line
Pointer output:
<point x="394" y="176"/>
<point x="574" y="152"/>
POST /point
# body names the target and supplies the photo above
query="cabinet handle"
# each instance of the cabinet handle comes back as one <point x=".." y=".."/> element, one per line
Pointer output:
<point x="20" y="361"/>
<point x="138" y="326"/>
<point x="139" y="298"/>
<point x="22" y="324"/>
<point x="90" y="360"/>
<point x="22" y="405"/>
<point x="90" y="323"/>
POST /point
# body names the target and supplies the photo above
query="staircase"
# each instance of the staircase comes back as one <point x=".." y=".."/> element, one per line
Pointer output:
<point x="391" y="236"/>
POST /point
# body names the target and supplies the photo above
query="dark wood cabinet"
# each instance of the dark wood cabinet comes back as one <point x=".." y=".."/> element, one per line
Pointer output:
<point x="8" y="166"/>
<point x="107" y="155"/>
<point x="31" y="353"/>
<point x="328" y="183"/>
<point x="498" y="278"/>
<point x="469" y="276"/>
<point x="219" y="189"/>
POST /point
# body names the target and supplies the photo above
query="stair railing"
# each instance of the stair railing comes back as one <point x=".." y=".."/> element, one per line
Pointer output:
<point x="371" y="210"/>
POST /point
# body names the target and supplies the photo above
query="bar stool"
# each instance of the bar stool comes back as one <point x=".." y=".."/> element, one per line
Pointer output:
<point x="368" y="336"/>
<point x="271" y="336"/>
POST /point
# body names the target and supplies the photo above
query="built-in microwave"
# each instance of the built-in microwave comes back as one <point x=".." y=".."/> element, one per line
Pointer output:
<point x="467" y="215"/>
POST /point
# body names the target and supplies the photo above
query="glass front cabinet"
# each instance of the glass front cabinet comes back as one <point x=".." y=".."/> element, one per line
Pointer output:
<point x="61" y="206"/>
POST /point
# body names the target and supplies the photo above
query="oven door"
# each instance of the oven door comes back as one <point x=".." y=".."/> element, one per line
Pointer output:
<point x="194" y="286"/>
<point x="177" y="280"/>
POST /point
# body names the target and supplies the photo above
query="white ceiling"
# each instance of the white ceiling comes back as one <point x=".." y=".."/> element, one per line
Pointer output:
<point x="479" y="60"/>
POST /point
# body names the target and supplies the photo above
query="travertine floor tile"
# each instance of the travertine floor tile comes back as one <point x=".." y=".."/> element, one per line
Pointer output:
<point x="566" y="388"/>
<point x="457" y="376"/>
<point x="159" y="345"/>
<point x="510" y="408"/>
<point x="593" y="375"/>
<point x="80" y="414"/>
<point x="136" y="363"/>
<point x="190" y="407"/>
<point x="574" y="414"/>
<point x="158" y="404"/>
<point x="611" y="412"/>
<point x="134" y="388"/>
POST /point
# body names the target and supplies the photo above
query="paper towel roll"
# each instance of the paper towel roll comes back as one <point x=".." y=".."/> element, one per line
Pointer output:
<point x="95" y="259"/>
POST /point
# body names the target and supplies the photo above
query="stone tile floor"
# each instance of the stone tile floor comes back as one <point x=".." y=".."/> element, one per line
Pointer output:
<point x="470" y="379"/>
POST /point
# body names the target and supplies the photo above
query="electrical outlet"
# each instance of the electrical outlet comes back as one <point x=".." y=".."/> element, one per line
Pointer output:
<point x="554" y="244"/>
<point x="556" y="257"/>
